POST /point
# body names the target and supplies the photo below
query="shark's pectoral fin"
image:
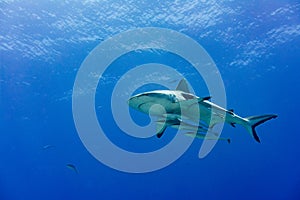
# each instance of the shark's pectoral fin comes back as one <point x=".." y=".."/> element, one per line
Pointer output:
<point x="160" y="133"/>
<point x="160" y="128"/>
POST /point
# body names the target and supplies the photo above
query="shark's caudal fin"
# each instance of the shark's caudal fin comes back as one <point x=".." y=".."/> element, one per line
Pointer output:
<point x="254" y="121"/>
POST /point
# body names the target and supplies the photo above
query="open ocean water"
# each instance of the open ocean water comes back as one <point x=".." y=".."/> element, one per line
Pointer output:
<point x="254" y="44"/>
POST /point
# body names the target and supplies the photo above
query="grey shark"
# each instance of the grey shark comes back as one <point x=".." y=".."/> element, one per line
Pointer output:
<point x="181" y="110"/>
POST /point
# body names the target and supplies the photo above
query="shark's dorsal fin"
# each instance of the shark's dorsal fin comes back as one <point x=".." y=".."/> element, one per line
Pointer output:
<point x="230" y="111"/>
<point x="183" y="86"/>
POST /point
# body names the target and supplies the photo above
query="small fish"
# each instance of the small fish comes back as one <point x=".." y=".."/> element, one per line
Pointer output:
<point x="203" y="136"/>
<point x="26" y="83"/>
<point x="48" y="146"/>
<point x="71" y="166"/>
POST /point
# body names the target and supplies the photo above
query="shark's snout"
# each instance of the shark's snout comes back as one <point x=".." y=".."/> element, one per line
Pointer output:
<point x="134" y="101"/>
<point x="133" y="98"/>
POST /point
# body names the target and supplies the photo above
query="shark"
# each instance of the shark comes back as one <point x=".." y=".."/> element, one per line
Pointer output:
<point x="182" y="109"/>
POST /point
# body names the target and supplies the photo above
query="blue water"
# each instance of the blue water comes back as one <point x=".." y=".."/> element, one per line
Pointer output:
<point x="255" y="45"/>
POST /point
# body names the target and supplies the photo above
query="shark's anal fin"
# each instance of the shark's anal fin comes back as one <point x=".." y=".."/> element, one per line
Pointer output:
<point x="231" y="111"/>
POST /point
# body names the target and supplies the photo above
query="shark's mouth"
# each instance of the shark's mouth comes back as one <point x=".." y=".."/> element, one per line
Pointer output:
<point x="148" y="104"/>
<point x="141" y="105"/>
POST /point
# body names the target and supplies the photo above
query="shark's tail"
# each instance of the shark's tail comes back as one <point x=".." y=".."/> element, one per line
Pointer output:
<point x="252" y="122"/>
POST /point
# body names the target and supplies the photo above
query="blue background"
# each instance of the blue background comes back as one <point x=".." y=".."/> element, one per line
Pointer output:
<point x="255" y="44"/>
